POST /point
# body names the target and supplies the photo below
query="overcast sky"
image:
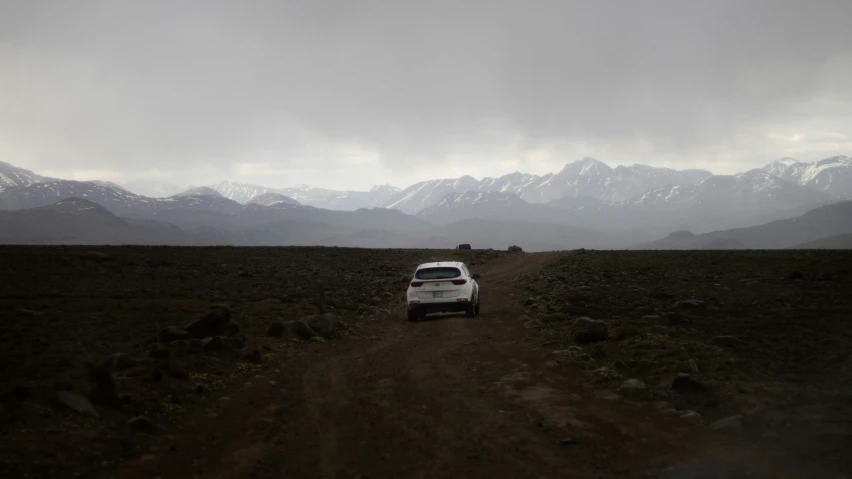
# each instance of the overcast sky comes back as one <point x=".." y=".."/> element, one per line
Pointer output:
<point x="347" y="93"/>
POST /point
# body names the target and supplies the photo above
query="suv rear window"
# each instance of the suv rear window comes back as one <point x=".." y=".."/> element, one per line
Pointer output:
<point x="437" y="273"/>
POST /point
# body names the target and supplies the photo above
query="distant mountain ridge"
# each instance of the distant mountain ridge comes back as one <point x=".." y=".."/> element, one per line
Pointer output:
<point x="831" y="175"/>
<point x="826" y="225"/>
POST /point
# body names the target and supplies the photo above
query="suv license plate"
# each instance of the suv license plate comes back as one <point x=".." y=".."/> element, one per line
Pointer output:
<point x="436" y="294"/>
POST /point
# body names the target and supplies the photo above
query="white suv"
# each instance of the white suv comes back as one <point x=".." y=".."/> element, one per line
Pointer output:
<point x="442" y="287"/>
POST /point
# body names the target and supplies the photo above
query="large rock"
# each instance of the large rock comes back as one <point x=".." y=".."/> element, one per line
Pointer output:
<point x="210" y="323"/>
<point x="633" y="389"/>
<point x="685" y="384"/>
<point x="729" y="423"/>
<point x="275" y="330"/>
<point x="587" y="330"/>
<point x="324" y="325"/>
<point x="76" y="402"/>
<point x="172" y="334"/>
<point x="301" y="329"/>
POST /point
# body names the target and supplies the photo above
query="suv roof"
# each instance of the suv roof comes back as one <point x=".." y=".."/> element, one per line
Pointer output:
<point x="456" y="264"/>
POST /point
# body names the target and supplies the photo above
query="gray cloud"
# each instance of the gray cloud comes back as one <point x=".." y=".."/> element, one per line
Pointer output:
<point x="342" y="92"/>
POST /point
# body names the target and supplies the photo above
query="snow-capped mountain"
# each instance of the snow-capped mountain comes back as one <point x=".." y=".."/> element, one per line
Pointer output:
<point x="308" y="195"/>
<point x="240" y="192"/>
<point x="584" y="178"/>
<point x="152" y="188"/>
<point x="489" y="205"/>
<point x="745" y="190"/>
<point x="12" y="176"/>
<point x="44" y="194"/>
<point x="272" y="199"/>
<point x="831" y="175"/>
<point x="427" y="193"/>
<point x="594" y="179"/>
<point x="199" y="191"/>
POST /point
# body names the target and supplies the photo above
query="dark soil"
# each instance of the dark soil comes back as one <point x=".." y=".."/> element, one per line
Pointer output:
<point x="505" y="394"/>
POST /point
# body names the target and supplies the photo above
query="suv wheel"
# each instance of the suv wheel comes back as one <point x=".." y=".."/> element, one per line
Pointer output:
<point x="476" y="309"/>
<point x="413" y="316"/>
<point x="470" y="311"/>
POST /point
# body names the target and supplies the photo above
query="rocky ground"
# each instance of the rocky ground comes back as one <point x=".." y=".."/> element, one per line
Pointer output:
<point x="298" y="362"/>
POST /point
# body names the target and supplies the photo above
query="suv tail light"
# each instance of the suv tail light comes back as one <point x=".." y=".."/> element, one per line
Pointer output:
<point x="459" y="282"/>
<point x="417" y="284"/>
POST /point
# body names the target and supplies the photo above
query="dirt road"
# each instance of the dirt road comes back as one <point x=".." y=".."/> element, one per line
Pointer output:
<point x="449" y="397"/>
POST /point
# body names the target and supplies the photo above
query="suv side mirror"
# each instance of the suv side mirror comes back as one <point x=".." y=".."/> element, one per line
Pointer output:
<point x="476" y="276"/>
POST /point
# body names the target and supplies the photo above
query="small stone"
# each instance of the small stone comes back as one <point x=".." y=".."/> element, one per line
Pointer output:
<point x="690" y="304"/>
<point x="633" y="389"/>
<point x="316" y="339"/>
<point x="143" y="424"/>
<point x="96" y="256"/>
<point x="727" y="341"/>
<point x="215" y="344"/>
<point x="796" y="275"/>
<point x="568" y="441"/>
<point x="670" y="412"/>
<point x="673" y="319"/>
<point x="729" y="423"/>
<point x="587" y="330"/>
<point x="251" y="354"/>
<point x="76" y="402"/>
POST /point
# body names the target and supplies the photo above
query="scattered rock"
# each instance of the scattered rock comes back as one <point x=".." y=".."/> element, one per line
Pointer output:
<point x="324" y="325"/>
<point x="690" y="304"/>
<point x="102" y="379"/>
<point x="301" y="329"/>
<point x="143" y="424"/>
<point x="172" y="334"/>
<point x="633" y="389"/>
<point x="671" y="412"/>
<point x="587" y="330"/>
<point x="729" y="423"/>
<point x="316" y="339"/>
<point x="691" y="416"/>
<point x="275" y="330"/>
<point x="210" y="323"/>
<point x="231" y="329"/>
<point x="796" y="275"/>
<point x="727" y="341"/>
<point x="215" y="344"/>
<point x="825" y="277"/>
<point x="96" y="256"/>
<point x="585" y="287"/>
<point x="529" y="302"/>
<point x="120" y="361"/>
<point x="30" y="312"/>
<point x="685" y="384"/>
<point x="568" y="441"/>
<point x="154" y="376"/>
<point x="251" y="354"/>
<point x="673" y="319"/>
<point x="76" y="402"/>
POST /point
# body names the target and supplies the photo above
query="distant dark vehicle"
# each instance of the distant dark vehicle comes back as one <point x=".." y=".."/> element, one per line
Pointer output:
<point x="463" y="246"/>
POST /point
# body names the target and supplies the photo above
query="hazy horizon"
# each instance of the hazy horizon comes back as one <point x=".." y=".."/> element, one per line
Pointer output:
<point x="345" y="95"/>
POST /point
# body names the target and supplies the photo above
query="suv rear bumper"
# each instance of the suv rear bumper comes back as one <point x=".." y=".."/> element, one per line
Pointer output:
<point x="443" y="307"/>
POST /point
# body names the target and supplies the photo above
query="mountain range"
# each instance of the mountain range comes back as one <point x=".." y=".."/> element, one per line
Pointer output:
<point x="587" y="204"/>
